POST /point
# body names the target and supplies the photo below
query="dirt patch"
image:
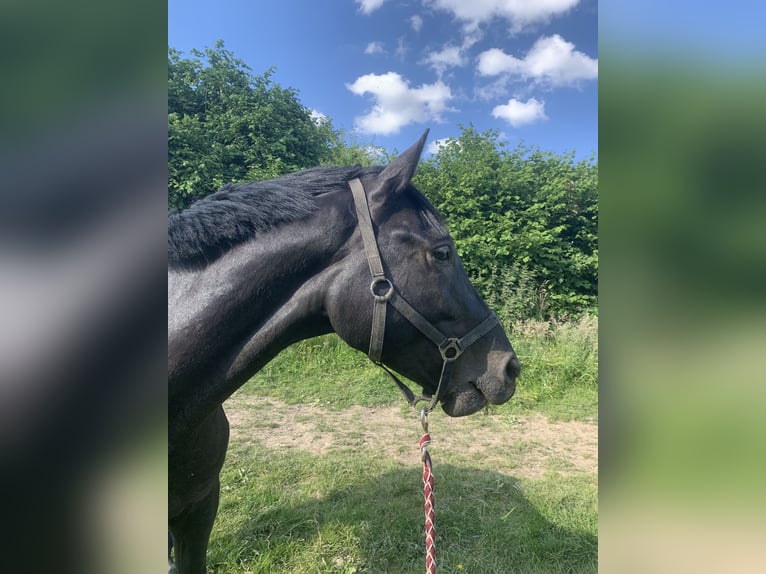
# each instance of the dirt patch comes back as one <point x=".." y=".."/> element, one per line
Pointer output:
<point x="526" y="446"/>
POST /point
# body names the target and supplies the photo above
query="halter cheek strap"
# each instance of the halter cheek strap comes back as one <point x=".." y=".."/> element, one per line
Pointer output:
<point x="383" y="293"/>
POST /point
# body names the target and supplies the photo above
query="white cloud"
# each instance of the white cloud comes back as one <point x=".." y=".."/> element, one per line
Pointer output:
<point x="519" y="13"/>
<point x="471" y="37"/>
<point x="448" y="57"/>
<point x="397" y="104"/>
<point x="494" y="62"/>
<point x="369" y="6"/>
<point x="551" y="60"/>
<point x="416" y="22"/>
<point x="374" y="48"/>
<point x="493" y="90"/>
<point x="436" y="145"/>
<point x="519" y="113"/>
<point x="375" y="153"/>
<point x="452" y="56"/>
<point x="317" y="116"/>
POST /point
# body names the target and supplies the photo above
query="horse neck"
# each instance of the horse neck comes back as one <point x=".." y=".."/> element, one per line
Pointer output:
<point x="229" y="319"/>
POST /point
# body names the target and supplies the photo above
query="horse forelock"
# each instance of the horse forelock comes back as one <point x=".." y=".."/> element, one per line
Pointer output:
<point x="429" y="215"/>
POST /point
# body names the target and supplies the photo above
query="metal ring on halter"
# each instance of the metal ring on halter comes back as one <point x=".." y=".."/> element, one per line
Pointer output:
<point x="451" y="350"/>
<point x="424" y="411"/>
<point x="385" y="296"/>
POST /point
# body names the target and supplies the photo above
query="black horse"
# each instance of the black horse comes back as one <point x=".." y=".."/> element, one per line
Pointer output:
<point x="256" y="267"/>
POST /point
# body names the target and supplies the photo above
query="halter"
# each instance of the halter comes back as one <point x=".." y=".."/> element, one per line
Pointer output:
<point x="384" y="292"/>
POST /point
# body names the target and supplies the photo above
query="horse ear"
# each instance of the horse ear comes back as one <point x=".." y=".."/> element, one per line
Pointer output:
<point x="398" y="174"/>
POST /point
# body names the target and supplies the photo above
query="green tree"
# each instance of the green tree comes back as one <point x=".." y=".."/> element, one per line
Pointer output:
<point x="226" y="124"/>
<point x="345" y="149"/>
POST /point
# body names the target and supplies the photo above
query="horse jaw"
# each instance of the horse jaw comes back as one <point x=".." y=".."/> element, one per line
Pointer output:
<point x="464" y="402"/>
<point x="474" y="397"/>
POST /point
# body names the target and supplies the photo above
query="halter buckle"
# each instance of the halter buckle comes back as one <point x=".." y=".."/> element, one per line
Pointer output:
<point x="374" y="288"/>
<point x="450" y="350"/>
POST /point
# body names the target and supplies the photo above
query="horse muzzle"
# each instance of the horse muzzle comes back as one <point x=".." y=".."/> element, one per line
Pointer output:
<point x="496" y="387"/>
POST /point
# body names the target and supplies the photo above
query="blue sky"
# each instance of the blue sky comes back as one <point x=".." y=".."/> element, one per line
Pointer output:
<point x="388" y="69"/>
<point x="715" y="34"/>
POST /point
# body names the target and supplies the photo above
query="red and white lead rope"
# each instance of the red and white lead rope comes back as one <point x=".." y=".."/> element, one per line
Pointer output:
<point x="428" y="493"/>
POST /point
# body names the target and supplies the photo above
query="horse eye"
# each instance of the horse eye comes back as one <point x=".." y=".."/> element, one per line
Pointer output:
<point x="442" y="253"/>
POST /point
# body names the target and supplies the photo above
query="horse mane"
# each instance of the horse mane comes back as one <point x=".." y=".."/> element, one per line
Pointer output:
<point x="212" y="225"/>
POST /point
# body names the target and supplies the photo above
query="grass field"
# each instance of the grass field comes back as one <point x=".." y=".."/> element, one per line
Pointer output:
<point x="323" y="472"/>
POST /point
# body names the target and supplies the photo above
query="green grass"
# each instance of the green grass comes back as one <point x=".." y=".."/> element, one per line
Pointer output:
<point x="303" y="513"/>
<point x="559" y="368"/>
<point x="559" y="372"/>
<point x="356" y="510"/>
<point x="323" y="371"/>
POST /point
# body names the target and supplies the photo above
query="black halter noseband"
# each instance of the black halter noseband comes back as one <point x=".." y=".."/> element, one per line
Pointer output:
<point x="383" y="292"/>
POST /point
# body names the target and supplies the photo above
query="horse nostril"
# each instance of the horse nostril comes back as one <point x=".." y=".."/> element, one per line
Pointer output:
<point x="513" y="367"/>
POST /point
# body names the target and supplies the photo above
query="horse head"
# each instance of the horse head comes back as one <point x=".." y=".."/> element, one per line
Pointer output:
<point x="407" y="270"/>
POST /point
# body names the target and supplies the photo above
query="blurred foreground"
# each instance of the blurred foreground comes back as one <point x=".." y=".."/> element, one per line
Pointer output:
<point x="683" y="310"/>
<point x="82" y="297"/>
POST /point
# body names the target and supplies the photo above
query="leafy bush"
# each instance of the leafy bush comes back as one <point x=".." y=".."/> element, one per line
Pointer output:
<point x="524" y="222"/>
